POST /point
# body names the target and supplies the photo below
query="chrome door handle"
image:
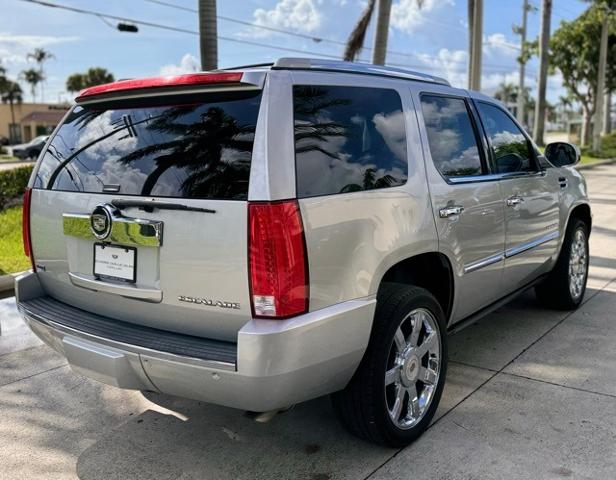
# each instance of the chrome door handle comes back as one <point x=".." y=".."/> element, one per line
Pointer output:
<point x="513" y="201"/>
<point x="450" y="211"/>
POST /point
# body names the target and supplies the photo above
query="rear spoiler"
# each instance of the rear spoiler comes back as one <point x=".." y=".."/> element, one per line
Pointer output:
<point x="139" y="86"/>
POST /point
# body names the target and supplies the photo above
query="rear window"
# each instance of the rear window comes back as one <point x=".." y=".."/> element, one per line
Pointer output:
<point x="348" y="139"/>
<point x="191" y="150"/>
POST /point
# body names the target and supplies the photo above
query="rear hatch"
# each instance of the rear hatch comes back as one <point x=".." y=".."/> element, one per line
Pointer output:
<point x="139" y="207"/>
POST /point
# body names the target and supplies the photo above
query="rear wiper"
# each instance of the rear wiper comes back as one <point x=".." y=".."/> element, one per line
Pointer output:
<point x="150" y="206"/>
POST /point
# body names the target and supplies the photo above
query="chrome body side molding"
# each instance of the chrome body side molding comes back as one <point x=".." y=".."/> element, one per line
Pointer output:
<point x="484" y="262"/>
<point x="523" y="247"/>
<point x="492" y="259"/>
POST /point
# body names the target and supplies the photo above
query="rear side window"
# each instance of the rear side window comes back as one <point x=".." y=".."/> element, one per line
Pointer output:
<point x="451" y="137"/>
<point x="509" y="145"/>
<point x="348" y="139"/>
<point x="191" y="150"/>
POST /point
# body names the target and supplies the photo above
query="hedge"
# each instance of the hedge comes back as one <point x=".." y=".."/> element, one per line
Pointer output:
<point x="13" y="183"/>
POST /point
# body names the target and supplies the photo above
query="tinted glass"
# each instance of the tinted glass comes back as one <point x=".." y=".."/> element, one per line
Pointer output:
<point x="348" y="139"/>
<point x="511" y="152"/>
<point x="452" y="140"/>
<point x="199" y="150"/>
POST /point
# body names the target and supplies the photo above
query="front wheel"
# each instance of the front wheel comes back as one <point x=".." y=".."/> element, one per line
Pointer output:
<point x="565" y="286"/>
<point x="395" y="392"/>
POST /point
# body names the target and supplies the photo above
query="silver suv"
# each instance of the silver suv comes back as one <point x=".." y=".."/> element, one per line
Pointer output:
<point x="261" y="236"/>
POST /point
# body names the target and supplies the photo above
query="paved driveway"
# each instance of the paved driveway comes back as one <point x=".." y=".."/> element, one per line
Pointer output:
<point x="531" y="393"/>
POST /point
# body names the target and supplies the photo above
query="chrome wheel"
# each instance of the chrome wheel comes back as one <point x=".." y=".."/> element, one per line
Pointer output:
<point x="413" y="368"/>
<point x="578" y="264"/>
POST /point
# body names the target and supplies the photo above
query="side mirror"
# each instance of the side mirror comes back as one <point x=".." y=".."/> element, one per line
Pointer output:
<point x="561" y="154"/>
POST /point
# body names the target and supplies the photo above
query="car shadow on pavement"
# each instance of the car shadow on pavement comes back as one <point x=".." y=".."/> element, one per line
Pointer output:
<point x="200" y="440"/>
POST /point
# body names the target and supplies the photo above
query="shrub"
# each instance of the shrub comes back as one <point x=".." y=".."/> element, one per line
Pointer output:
<point x="13" y="183"/>
<point x="608" y="148"/>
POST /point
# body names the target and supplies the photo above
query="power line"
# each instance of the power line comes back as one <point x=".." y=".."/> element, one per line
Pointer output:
<point x="101" y="15"/>
<point x="314" y="38"/>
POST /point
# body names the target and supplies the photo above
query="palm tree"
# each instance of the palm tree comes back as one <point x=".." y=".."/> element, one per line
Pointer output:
<point x="11" y="93"/>
<point x="94" y="76"/>
<point x="40" y="56"/>
<point x="32" y="77"/>
<point x="207" y="34"/>
<point x="506" y="93"/>
<point x="355" y="41"/>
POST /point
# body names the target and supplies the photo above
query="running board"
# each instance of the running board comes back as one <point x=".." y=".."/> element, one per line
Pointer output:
<point x="462" y="324"/>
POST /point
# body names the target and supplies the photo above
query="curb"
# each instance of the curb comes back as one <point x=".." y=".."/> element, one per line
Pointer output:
<point x="598" y="163"/>
<point x="7" y="282"/>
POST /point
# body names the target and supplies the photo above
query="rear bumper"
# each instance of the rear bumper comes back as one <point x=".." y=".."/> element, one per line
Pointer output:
<point x="277" y="363"/>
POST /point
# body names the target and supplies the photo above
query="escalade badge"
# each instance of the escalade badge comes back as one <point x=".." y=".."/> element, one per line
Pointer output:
<point x="100" y="222"/>
<point x="209" y="303"/>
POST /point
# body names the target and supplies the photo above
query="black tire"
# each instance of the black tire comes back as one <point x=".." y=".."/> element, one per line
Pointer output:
<point x="362" y="406"/>
<point x="555" y="291"/>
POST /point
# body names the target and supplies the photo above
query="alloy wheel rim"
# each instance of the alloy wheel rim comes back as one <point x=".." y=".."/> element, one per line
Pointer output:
<point x="578" y="264"/>
<point x="413" y="368"/>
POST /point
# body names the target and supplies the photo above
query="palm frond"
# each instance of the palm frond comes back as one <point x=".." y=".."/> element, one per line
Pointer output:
<point x="356" y="40"/>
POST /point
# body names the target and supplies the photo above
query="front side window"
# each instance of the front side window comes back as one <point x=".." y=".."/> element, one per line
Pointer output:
<point x="509" y="145"/>
<point x="194" y="149"/>
<point x="348" y="139"/>
<point x="451" y="137"/>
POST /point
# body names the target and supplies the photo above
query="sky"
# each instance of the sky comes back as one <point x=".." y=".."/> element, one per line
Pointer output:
<point x="433" y="39"/>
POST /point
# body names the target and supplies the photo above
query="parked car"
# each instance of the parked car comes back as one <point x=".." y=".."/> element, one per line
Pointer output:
<point x="30" y="150"/>
<point x="263" y="236"/>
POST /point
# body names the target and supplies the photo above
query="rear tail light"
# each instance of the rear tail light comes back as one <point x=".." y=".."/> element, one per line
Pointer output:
<point x="25" y="226"/>
<point x="277" y="257"/>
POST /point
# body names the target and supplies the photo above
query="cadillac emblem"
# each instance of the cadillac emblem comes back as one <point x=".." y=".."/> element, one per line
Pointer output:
<point x="100" y="222"/>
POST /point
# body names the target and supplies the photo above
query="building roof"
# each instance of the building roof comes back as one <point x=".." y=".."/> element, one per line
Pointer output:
<point x="49" y="116"/>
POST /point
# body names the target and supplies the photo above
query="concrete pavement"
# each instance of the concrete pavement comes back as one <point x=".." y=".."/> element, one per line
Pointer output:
<point x="531" y="393"/>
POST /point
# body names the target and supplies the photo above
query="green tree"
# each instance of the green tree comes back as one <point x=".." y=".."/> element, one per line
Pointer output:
<point x="32" y="77"/>
<point x="94" y="76"/>
<point x="11" y="93"/>
<point x="574" y="51"/>
<point x="506" y="93"/>
<point x="40" y="56"/>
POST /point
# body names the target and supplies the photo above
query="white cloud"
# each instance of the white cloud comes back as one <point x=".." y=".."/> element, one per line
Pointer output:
<point x="450" y="64"/>
<point x="15" y="48"/>
<point x="407" y="16"/>
<point x="498" y="46"/>
<point x="188" y="64"/>
<point x="297" y="15"/>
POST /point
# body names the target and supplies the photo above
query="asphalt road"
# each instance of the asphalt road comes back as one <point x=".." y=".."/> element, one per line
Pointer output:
<point x="531" y="393"/>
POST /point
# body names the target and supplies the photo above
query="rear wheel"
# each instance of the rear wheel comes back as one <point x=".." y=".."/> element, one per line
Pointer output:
<point x="394" y="393"/>
<point x="565" y="286"/>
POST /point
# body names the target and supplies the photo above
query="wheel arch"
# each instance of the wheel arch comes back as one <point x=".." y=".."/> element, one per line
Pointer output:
<point x="430" y="270"/>
<point x="581" y="211"/>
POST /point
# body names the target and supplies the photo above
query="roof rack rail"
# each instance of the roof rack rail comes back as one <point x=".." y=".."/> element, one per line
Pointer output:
<point x="253" y="65"/>
<point x="289" y="63"/>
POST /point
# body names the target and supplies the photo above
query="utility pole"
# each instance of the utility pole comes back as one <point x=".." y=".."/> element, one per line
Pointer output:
<point x="521" y="30"/>
<point x="475" y="13"/>
<point x="598" y="118"/>
<point x="544" y="44"/>
<point x="208" y="35"/>
<point x="382" y="32"/>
